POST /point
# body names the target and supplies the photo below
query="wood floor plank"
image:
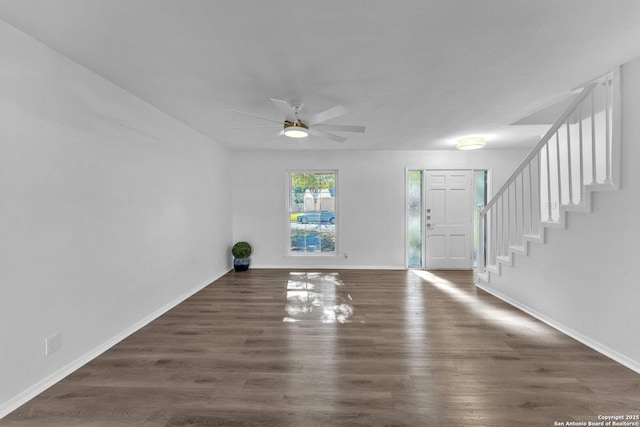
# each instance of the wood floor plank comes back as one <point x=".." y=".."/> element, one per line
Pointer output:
<point x="339" y="348"/>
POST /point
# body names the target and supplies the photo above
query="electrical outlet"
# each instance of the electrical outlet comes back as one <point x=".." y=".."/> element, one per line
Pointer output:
<point x="346" y="255"/>
<point x="52" y="343"/>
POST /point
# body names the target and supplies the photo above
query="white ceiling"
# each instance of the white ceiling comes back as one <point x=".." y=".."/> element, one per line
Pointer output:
<point x="417" y="73"/>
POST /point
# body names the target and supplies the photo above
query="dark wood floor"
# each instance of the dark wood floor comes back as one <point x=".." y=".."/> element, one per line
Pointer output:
<point x="347" y="348"/>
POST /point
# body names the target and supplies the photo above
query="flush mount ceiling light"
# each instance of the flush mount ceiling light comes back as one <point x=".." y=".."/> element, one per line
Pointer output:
<point x="296" y="129"/>
<point x="472" y="143"/>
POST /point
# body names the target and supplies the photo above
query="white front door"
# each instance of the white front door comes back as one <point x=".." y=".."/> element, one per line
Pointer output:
<point x="448" y="219"/>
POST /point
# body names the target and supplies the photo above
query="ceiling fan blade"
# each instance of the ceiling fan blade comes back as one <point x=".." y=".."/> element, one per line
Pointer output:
<point x="325" y="115"/>
<point x="256" y="116"/>
<point x="284" y="108"/>
<point x="323" y="134"/>
<point x="343" y="128"/>
<point x="272" y="136"/>
<point x="254" y="127"/>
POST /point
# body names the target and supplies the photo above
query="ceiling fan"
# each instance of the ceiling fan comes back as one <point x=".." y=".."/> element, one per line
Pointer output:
<point x="295" y="125"/>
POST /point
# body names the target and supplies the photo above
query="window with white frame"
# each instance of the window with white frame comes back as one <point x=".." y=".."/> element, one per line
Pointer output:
<point x="312" y="212"/>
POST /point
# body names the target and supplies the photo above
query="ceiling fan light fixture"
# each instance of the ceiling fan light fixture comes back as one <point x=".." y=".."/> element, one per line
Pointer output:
<point x="296" y="130"/>
<point x="473" y="143"/>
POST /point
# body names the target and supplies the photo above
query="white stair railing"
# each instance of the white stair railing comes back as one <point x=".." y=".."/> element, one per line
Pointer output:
<point x="577" y="155"/>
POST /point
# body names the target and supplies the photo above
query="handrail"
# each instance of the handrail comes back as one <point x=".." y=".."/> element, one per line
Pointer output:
<point x="543" y="141"/>
<point x="540" y="186"/>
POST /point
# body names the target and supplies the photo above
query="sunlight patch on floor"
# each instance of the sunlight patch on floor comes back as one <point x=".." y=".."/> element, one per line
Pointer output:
<point x="318" y="297"/>
<point x="498" y="316"/>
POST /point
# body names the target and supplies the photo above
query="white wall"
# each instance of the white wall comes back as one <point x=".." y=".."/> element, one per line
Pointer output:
<point x="585" y="279"/>
<point x="109" y="211"/>
<point x="371" y="197"/>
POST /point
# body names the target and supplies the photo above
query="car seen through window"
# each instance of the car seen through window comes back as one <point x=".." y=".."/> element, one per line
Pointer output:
<point x="317" y="217"/>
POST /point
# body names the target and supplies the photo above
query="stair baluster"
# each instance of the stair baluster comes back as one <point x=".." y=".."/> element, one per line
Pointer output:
<point x="514" y="216"/>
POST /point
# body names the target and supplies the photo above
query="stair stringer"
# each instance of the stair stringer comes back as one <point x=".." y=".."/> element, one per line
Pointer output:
<point x="546" y="173"/>
<point x="580" y="208"/>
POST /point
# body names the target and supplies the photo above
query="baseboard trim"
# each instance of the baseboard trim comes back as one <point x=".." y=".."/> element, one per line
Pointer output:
<point x="328" y="267"/>
<point x="14" y="403"/>
<point x="595" y="345"/>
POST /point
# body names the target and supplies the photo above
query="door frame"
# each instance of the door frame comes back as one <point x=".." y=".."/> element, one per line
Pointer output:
<point x="489" y="186"/>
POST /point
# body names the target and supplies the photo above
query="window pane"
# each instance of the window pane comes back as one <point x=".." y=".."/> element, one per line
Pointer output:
<point x="479" y="200"/>
<point x="414" y="218"/>
<point x="312" y="212"/>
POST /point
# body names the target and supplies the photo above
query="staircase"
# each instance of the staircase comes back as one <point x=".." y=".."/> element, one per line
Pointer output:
<point x="578" y="155"/>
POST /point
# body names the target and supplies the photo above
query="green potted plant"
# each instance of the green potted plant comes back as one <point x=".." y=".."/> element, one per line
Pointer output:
<point x="241" y="252"/>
